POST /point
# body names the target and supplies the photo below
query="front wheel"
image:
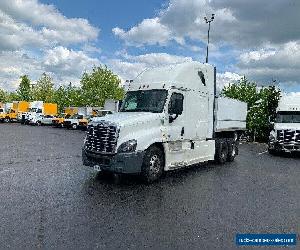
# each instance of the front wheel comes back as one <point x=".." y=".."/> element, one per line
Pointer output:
<point x="74" y="126"/>
<point x="153" y="164"/>
<point x="6" y="120"/>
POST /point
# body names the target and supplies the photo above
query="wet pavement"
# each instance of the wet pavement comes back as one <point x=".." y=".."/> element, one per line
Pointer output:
<point x="49" y="200"/>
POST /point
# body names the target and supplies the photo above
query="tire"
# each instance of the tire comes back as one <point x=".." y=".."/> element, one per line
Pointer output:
<point x="74" y="126"/>
<point x="233" y="149"/>
<point x="85" y="160"/>
<point x="153" y="164"/>
<point x="221" y="151"/>
<point x="273" y="152"/>
<point x="7" y="120"/>
<point x="38" y="123"/>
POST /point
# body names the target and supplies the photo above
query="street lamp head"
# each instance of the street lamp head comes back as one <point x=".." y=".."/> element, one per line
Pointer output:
<point x="212" y="16"/>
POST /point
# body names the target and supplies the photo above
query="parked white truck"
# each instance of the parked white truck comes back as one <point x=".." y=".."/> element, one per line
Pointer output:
<point x="39" y="113"/>
<point x="112" y="105"/>
<point x="35" y="108"/>
<point x="285" y="137"/>
<point x="74" y="120"/>
<point x="170" y="118"/>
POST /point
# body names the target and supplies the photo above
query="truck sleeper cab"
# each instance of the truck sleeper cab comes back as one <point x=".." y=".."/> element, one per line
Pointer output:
<point x="167" y="121"/>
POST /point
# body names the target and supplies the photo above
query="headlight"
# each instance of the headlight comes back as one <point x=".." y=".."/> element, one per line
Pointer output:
<point x="128" y="146"/>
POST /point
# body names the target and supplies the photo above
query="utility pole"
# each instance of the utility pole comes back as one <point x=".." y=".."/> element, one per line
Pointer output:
<point x="208" y="21"/>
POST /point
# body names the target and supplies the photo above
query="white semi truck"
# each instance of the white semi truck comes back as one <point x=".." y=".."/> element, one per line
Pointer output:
<point x="285" y="137"/>
<point x="169" y="119"/>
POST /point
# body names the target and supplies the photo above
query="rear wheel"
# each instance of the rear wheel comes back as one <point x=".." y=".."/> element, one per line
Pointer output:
<point x="221" y="151"/>
<point x="7" y="120"/>
<point x="232" y="149"/>
<point x="153" y="164"/>
<point x="74" y="126"/>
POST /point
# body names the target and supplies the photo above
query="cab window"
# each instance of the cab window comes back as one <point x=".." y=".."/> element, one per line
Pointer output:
<point x="176" y="104"/>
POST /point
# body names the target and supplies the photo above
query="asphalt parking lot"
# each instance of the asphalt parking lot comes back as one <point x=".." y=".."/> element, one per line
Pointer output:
<point x="49" y="200"/>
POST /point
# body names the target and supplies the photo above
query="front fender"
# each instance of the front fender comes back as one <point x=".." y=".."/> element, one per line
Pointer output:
<point x="144" y="137"/>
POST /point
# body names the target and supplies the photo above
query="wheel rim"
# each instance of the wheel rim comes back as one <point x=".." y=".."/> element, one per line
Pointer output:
<point x="155" y="164"/>
<point x="223" y="154"/>
<point x="233" y="152"/>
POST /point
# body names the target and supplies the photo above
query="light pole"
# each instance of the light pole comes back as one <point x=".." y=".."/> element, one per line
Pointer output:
<point x="208" y="21"/>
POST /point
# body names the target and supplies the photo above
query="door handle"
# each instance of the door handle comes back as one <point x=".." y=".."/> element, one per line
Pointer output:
<point x="182" y="131"/>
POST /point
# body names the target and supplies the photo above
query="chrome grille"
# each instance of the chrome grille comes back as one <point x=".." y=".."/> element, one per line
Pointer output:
<point x="288" y="137"/>
<point x="102" y="138"/>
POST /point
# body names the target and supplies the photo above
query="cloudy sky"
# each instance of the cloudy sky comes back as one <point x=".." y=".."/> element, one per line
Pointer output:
<point x="259" y="39"/>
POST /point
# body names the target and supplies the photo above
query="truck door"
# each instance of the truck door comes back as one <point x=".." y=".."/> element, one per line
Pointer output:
<point x="175" y="130"/>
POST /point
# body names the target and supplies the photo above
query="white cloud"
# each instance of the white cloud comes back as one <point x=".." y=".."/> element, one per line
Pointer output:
<point x="148" y="32"/>
<point x="224" y="79"/>
<point x="35" y="38"/>
<point x="91" y="49"/>
<point x="15" y="64"/>
<point x="281" y="63"/>
<point x="44" y="23"/>
<point x="292" y="94"/>
<point x="64" y="66"/>
<point x="29" y="24"/>
<point x="64" y="62"/>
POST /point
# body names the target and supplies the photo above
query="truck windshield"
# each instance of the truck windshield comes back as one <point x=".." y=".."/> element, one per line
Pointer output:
<point x="145" y="101"/>
<point x="288" y="117"/>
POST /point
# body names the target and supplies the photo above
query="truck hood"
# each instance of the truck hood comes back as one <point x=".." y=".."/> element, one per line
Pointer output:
<point x="294" y="126"/>
<point x="125" y="119"/>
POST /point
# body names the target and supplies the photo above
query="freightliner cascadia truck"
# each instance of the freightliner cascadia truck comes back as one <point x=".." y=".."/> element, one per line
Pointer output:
<point x="170" y="118"/>
<point x="285" y="137"/>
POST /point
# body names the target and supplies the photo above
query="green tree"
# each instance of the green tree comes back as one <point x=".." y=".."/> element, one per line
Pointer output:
<point x="12" y="96"/>
<point x="43" y="90"/>
<point x="243" y="90"/>
<point x="24" y="90"/>
<point x="99" y="85"/>
<point x="262" y="104"/>
<point x="3" y="96"/>
<point x="68" y="96"/>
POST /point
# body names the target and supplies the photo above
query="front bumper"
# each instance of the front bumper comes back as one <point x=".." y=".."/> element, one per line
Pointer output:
<point x="284" y="147"/>
<point x="126" y="163"/>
